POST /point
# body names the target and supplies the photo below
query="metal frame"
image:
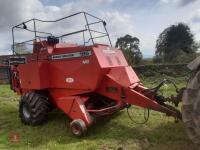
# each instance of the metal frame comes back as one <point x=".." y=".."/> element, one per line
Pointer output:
<point x="87" y="28"/>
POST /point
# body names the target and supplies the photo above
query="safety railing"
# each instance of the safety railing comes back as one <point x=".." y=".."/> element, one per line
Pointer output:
<point x="86" y="28"/>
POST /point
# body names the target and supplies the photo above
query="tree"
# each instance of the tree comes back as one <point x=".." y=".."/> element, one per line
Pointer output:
<point x="174" y="43"/>
<point x="130" y="47"/>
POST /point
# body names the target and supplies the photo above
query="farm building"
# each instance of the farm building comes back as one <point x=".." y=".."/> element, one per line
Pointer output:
<point x="4" y="69"/>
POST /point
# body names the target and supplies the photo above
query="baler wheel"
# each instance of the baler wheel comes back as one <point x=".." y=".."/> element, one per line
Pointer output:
<point x="78" y="127"/>
<point x="191" y="108"/>
<point x="33" y="108"/>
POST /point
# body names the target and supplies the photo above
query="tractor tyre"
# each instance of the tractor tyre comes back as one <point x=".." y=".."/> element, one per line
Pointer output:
<point x="191" y="108"/>
<point x="78" y="127"/>
<point x="33" y="108"/>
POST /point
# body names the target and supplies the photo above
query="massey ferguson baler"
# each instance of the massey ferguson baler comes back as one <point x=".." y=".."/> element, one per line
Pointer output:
<point x="86" y="82"/>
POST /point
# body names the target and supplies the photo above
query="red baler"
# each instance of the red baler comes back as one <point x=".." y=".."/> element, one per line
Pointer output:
<point x="85" y="81"/>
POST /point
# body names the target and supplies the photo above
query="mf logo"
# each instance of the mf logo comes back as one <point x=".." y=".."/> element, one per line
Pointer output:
<point x="14" y="137"/>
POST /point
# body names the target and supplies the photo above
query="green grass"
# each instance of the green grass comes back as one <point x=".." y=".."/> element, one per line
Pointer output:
<point x="115" y="133"/>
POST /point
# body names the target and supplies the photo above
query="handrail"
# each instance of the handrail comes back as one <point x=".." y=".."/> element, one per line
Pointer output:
<point x="72" y="33"/>
<point x="82" y="12"/>
<point x="34" y="31"/>
<point x="87" y="28"/>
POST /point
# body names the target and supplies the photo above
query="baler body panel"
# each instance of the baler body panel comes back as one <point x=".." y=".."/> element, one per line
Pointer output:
<point x="34" y="75"/>
<point x="74" y="68"/>
<point x="76" y="72"/>
<point x="109" y="57"/>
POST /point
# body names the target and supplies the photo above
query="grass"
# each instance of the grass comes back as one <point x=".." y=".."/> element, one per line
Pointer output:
<point x="115" y="133"/>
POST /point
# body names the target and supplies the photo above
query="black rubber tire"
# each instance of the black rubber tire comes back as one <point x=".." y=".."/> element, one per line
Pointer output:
<point x="33" y="108"/>
<point x="78" y="127"/>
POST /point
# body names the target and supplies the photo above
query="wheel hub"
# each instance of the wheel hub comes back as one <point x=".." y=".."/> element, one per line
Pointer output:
<point x="76" y="130"/>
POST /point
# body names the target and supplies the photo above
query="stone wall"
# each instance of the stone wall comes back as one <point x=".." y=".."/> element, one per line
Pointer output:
<point x="160" y="69"/>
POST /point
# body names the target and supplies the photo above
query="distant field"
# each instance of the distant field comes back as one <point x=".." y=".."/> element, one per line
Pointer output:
<point x="116" y="133"/>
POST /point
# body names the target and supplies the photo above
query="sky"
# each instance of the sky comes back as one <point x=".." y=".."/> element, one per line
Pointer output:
<point x="144" y="19"/>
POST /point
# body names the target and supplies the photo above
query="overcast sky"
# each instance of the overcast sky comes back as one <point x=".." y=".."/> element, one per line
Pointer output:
<point x="145" y="19"/>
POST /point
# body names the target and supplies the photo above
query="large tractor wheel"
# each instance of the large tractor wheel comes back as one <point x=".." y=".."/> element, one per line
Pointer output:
<point x="33" y="108"/>
<point x="191" y="108"/>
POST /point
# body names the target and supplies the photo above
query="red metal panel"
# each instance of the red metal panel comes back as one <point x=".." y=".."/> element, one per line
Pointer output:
<point x="125" y="76"/>
<point x="75" y="108"/>
<point x="33" y="75"/>
<point x="109" y="57"/>
<point x="76" y="73"/>
<point x="57" y="93"/>
<point x="81" y="73"/>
